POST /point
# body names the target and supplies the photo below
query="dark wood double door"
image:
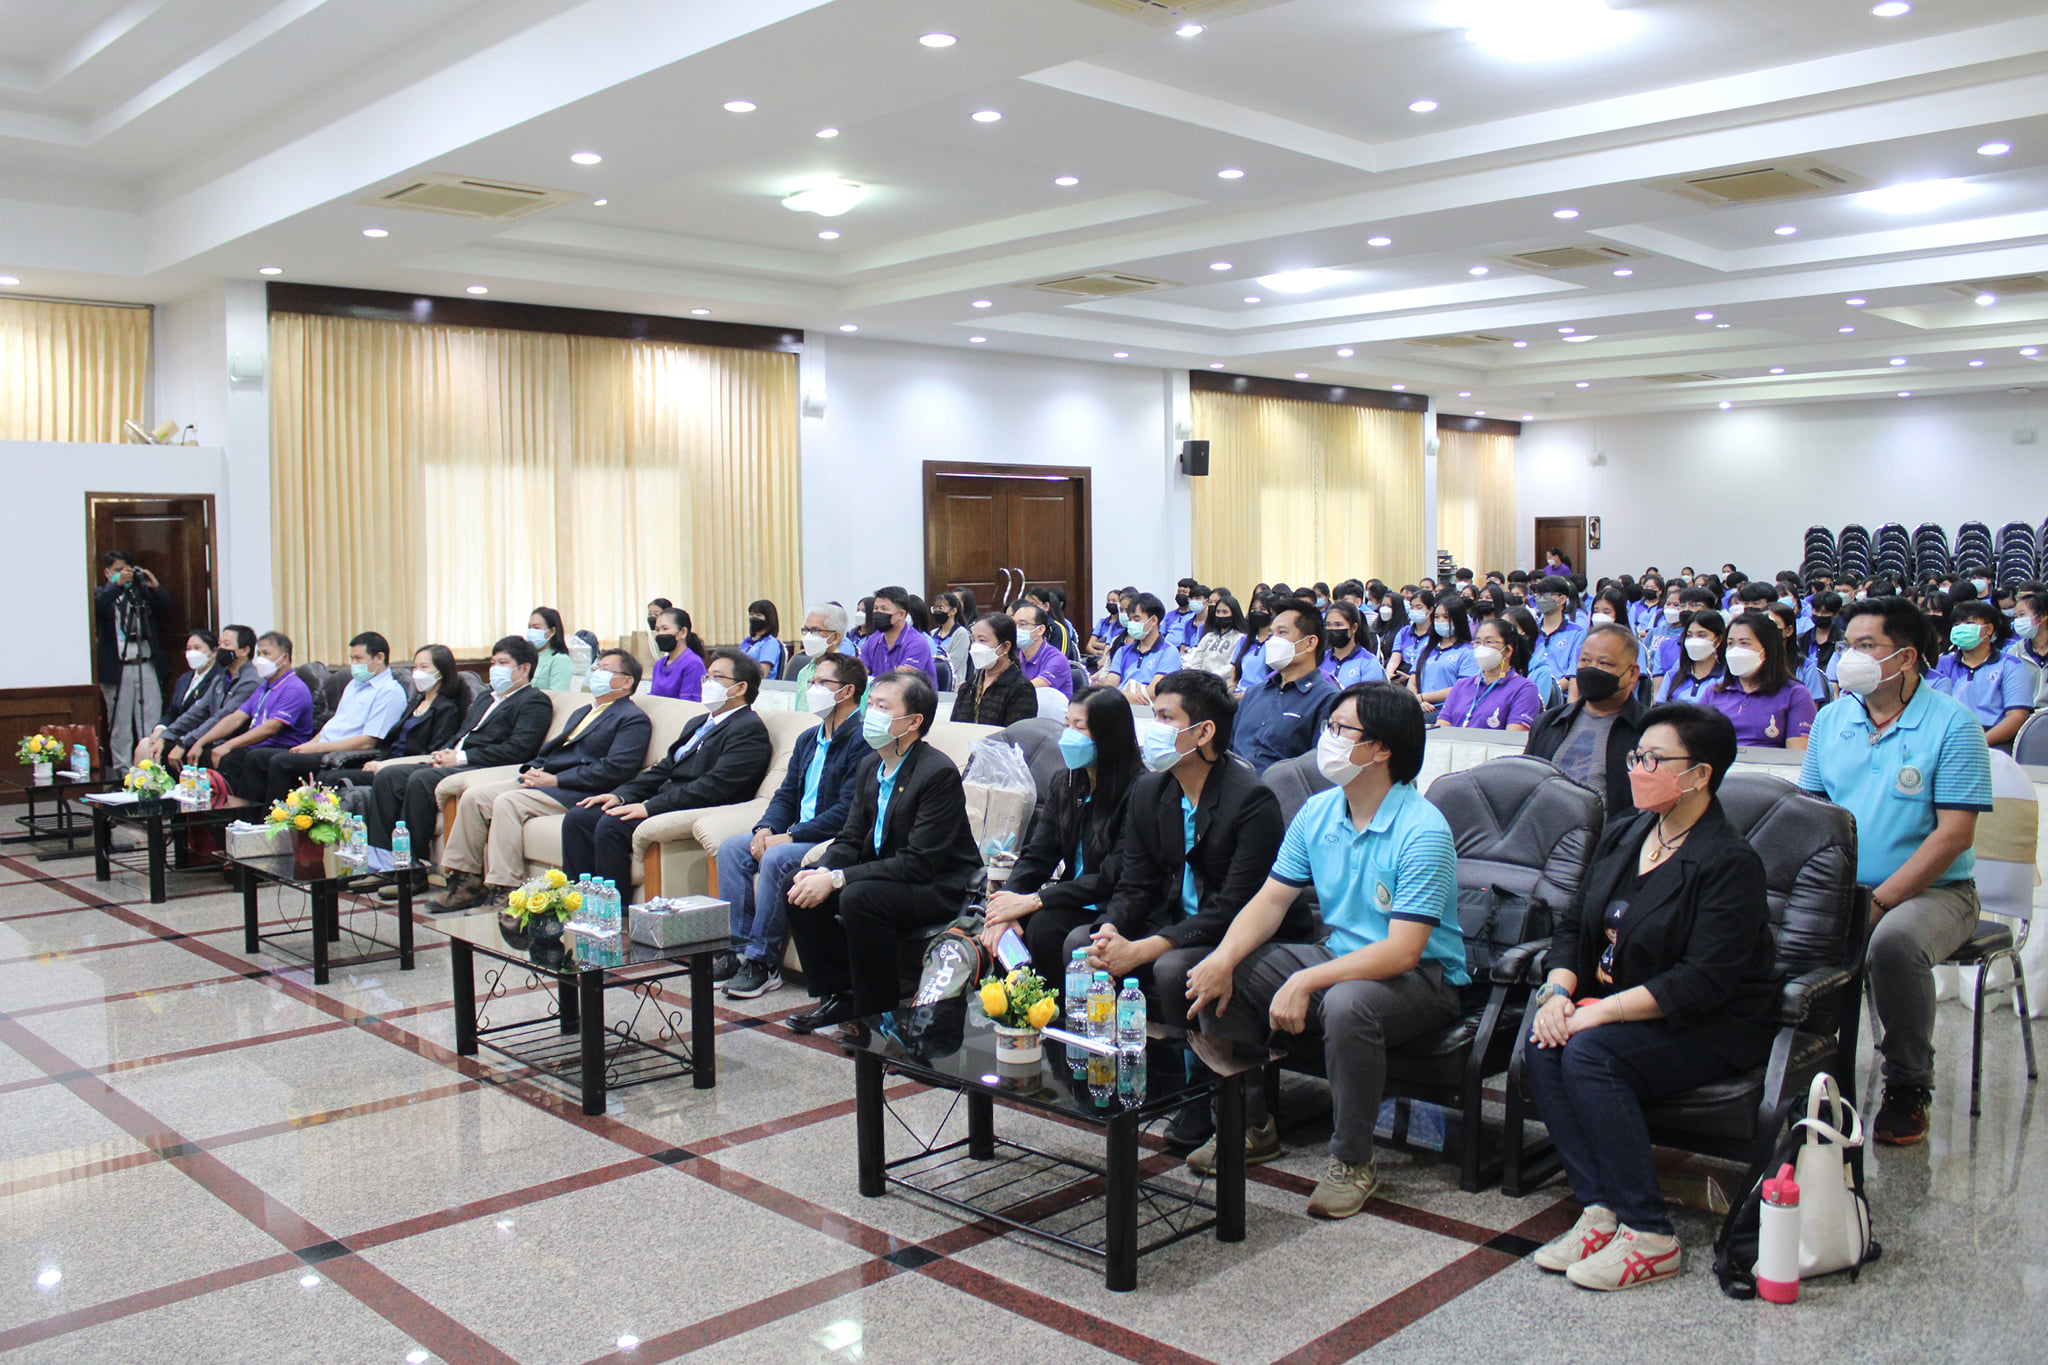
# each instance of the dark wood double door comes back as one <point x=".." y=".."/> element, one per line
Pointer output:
<point x="998" y="529"/>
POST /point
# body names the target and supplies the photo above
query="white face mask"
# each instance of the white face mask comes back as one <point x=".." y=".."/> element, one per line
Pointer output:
<point x="196" y="659"/>
<point x="1743" y="662"/>
<point x="424" y="678"/>
<point x="266" y="667"/>
<point x="1698" y="647"/>
<point x="1862" y="673"/>
<point x="1487" y="657"/>
<point x="820" y="699"/>
<point x="1606" y="616"/>
<point x="1386" y="612"/>
<point x="2025" y="626"/>
<point x="713" y="693"/>
<point x="1027" y="636"/>
<point x="1279" y="652"/>
<point x="814" y="643"/>
<point x="1333" y="758"/>
<point x="599" y="681"/>
<point x="501" y="678"/>
<point x="981" y="655"/>
<point x="1671" y="615"/>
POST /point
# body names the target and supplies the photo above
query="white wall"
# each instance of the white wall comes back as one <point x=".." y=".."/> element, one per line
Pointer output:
<point x="44" y="557"/>
<point x="891" y="407"/>
<point x="1710" y="487"/>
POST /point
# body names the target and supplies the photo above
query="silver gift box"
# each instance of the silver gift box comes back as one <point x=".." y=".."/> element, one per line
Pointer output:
<point x="668" y="921"/>
<point x="245" y="840"/>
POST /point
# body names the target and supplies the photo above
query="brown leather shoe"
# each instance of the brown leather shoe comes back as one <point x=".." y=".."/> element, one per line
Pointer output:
<point x="465" y="891"/>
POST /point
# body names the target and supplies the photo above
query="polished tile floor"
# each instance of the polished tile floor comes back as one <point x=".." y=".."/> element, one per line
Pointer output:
<point x="203" y="1157"/>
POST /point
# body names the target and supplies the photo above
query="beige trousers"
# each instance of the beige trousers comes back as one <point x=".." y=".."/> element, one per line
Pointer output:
<point x="489" y="836"/>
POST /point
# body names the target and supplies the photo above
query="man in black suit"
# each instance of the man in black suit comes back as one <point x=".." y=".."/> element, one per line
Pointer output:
<point x="484" y="853"/>
<point x="506" y="725"/>
<point x="903" y="860"/>
<point x="129" y="611"/>
<point x="719" y="758"/>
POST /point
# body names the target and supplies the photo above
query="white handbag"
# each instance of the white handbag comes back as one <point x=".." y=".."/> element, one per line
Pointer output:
<point x="1834" y="1217"/>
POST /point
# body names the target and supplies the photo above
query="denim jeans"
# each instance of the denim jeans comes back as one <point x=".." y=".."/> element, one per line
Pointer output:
<point x="758" y="890"/>
<point x="1590" y="1094"/>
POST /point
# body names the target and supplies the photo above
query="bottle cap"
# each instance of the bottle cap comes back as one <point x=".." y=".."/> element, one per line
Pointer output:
<point x="1130" y="983"/>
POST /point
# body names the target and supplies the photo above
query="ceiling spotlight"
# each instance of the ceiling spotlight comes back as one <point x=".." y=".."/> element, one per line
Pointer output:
<point x="1623" y="273"/>
<point x="375" y="232"/>
<point x="1189" y="31"/>
<point x="1119" y="355"/>
<point x="938" y="40"/>
<point x="1986" y="300"/>
<point x="586" y="158"/>
<point x="983" y="303"/>
<point x="1855" y="300"/>
<point x="827" y="132"/>
<point x="827" y="198"/>
<point x="1301" y="374"/>
<point x="1422" y="107"/>
<point x="1976" y="364"/>
<point x="1786" y="231"/>
<point x="1215" y="364"/>
<point x="1564" y="213"/>
<point x="1777" y="369"/>
<point x="1994" y="149"/>
<point x="1582" y="384"/>
<point x="9" y="281"/>
<point x="2030" y="350"/>
<point x="740" y="106"/>
<point x="1891" y="9"/>
<point x="1725" y="405"/>
<point x="1702" y="317"/>
<point x="977" y="340"/>
<point x="1478" y="270"/>
<point x="1845" y="330"/>
<point x="1304" y="281"/>
<point x="828" y="235"/>
<point x="1923" y="196"/>
<point x="1399" y="388"/>
<point x="1520" y="345"/>
<point x="1221" y="265"/>
<point x="1066" y="181"/>
<point x="1722" y="326"/>
<point x="1251" y="298"/>
<point x="849" y="327"/>
<point x="700" y="312"/>
<point x="1528" y="417"/>
<point x="270" y="270"/>
<point x="1905" y="393"/>
<point x="479" y="289"/>
<point x="1583" y="336"/>
<point x="1566" y="331"/>
<point x="1479" y="412"/>
<point x="1379" y="241"/>
<point x="1898" y="360"/>
<point x="599" y="203"/>
<point x="1230" y="173"/>
<point x="1464" y="393"/>
<point x="1346" y="352"/>
<point x="987" y="116"/>
<point x="1522" y="32"/>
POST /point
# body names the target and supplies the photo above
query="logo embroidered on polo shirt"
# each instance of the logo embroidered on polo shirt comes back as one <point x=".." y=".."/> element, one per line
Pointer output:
<point x="1383" y="895"/>
<point x="1909" y="780"/>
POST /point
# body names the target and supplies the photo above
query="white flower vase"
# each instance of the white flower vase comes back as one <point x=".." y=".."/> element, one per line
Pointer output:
<point x="1018" y="1046"/>
<point x="45" y="774"/>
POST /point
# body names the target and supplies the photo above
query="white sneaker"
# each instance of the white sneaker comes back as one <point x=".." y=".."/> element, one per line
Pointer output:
<point x="1629" y="1259"/>
<point x="1595" y="1229"/>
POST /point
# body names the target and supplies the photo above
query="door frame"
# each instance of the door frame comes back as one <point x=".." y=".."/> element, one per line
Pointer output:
<point x="934" y="470"/>
<point x="1584" y="544"/>
<point x="93" y="502"/>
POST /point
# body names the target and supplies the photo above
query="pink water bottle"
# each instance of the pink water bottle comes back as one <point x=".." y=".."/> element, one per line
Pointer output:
<point x="1777" y="1260"/>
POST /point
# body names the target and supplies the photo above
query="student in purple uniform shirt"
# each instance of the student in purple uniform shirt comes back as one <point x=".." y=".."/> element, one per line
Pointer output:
<point x="892" y="641"/>
<point x="1976" y="671"/>
<point x="1699" y="662"/>
<point x="1499" y="696"/>
<point x="1349" y="659"/>
<point x="278" y="716"/>
<point x="1771" y="708"/>
<point x="1038" y="659"/>
<point x="678" y="657"/>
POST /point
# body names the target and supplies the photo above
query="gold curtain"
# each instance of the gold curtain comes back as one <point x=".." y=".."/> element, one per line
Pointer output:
<point x="1475" y="499"/>
<point x="437" y="483"/>
<point x="71" y="371"/>
<point x="1298" y="491"/>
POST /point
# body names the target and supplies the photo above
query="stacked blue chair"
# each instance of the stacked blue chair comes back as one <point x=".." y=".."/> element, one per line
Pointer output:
<point x="1820" y="556"/>
<point x="1893" y="553"/>
<point x="2016" y="552"/>
<point x="1930" y="551"/>
<point x="1852" y="551"/>
<point x="1974" y="551"/>
<point x="2041" y="551"/>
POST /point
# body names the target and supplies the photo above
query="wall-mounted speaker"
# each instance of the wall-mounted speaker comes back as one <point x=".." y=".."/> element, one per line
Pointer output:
<point x="1194" y="458"/>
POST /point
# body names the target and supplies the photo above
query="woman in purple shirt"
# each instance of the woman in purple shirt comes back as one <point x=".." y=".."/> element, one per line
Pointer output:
<point x="679" y="661"/>
<point x="1499" y="696"/>
<point x="1771" y="708"/>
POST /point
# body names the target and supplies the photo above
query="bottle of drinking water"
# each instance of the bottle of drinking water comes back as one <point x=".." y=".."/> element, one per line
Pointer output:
<point x="202" y="782"/>
<point x="401" y="846"/>
<point x="1130" y="1017"/>
<point x="1130" y="1077"/>
<point x="1101" y="1008"/>
<point x="613" y="911"/>
<point x="1078" y="977"/>
<point x="1101" y="1076"/>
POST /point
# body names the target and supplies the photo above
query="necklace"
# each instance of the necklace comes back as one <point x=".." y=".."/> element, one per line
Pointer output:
<point x="1665" y="844"/>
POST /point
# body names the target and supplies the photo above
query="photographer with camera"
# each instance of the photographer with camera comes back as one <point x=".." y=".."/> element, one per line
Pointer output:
<point x="129" y="610"/>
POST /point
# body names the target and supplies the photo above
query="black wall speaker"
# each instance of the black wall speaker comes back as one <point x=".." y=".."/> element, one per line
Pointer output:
<point x="1194" y="458"/>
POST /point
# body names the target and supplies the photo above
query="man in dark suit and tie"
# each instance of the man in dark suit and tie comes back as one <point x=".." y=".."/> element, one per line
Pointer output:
<point x="903" y="860"/>
<point x="505" y="726"/>
<point x="720" y="758"/>
<point x="603" y="745"/>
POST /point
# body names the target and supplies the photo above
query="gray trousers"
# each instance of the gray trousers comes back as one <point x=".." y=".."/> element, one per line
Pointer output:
<point x="1904" y="947"/>
<point x="1357" y="1021"/>
<point x="134" y="706"/>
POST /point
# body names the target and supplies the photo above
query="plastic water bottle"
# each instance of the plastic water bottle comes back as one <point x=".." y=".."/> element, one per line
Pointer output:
<point x="612" y="908"/>
<point x="401" y="846"/>
<point x="81" y="761"/>
<point x="1130" y="1077"/>
<point x="1101" y="1008"/>
<point x="1130" y="1017"/>
<point x="1101" y="1076"/>
<point x="203" y="781"/>
<point x="1078" y="977"/>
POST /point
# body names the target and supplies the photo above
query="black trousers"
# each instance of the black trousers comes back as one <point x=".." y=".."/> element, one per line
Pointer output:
<point x="289" y="770"/>
<point x="248" y="771"/>
<point x="407" y="793"/>
<point x="1046" y="934"/>
<point x="596" y="843"/>
<point x="850" y="941"/>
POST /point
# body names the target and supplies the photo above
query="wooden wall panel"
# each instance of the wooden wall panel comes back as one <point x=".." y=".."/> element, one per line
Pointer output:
<point x="25" y="710"/>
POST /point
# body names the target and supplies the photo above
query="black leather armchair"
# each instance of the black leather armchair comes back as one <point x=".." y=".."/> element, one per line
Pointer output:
<point x="1820" y="918"/>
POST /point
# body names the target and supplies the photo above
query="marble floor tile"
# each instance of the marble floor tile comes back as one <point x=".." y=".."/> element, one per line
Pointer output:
<point x="88" y="976"/>
<point x="67" y="933"/>
<point x="173" y="1021"/>
<point x="47" y="1128"/>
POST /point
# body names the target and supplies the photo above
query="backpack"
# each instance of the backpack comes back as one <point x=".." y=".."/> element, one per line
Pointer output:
<point x="1735" y="1248"/>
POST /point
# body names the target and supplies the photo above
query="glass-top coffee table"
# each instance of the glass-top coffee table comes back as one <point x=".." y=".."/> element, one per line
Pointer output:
<point x="64" y="821"/>
<point x="572" y="1043"/>
<point x="167" y="829"/>
<point x="1080" y="1205"/>
<point x="324" y="890"/>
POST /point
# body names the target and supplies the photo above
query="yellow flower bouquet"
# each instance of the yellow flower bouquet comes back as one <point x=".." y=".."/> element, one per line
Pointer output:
<point x="1019" y="1005"/>
<point x="39" y="749"/>
<point x="149" y="780"/>
<point x="313" y="811"/>
<point x="547" y="897"/>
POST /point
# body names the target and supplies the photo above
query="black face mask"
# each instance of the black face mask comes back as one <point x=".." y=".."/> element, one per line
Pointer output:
<point x="665" y="642"/>
<point x="1258" y="621"/>
<point x="757" y="624"/>
<point x="878" y="622"/>
<point x="225" y="657"/>
<point x="1180" y="599"/>
<point x="1597" y="684"/>
<point x="654" y="623"/>
<point x="1823" y="622"/>
<point x="1220" y="618"/>
<point x="1340" y="639"/>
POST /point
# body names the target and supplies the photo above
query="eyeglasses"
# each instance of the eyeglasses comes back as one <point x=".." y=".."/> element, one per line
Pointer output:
<point x="1337" y="729"/>
<point x="1643" y="759"/>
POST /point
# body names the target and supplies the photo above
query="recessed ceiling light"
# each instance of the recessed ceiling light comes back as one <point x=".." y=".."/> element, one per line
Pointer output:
<point x="1464" y="393"/>
<point x="1399" y="388"/>
<point x="1986" y="300"/>
<point x="375" y="232"/>
<point x="1221" y="265"/>
<point x="1722" y="326"/>
<point x="1422" y="106"/>
<point x="1479" y="412"/>
<point x="1528" y="417"/>
<point x="270" y="270"/>
<point x="1845" y="330"/>
<point x="1855" y="300"/>
<point x="599" y="203"/>
<point x="1623" y="273"/>
<point x="1521" y="345"/>
<point x="827" y="133"/>
<point x="1725" y="405"/>
<point x="1379" y="241"/>
<point x="1066" y="181"/>
<point x="1520" y="31"/>
<point x="1301" y="374"/>
<point x="1788" y="230"/>
<point x="1583" y="336"/>
<point x="1994" y="149"/>
<point x="987" y="116"/>
<point x="1891" y="9"/>
<point x="1922" y="196"/>
<point x="740" y="106"/>
<point x="1582" y="384"/>
<point x="1252" y="298"/>
<point x="1346" y="352"/>
<point x="586" y="158"/>
<point x="1478" y="270"/>
<point x="938" y="40"/>
<point x="1564" y="213"/>
<point x="1215" y="364"/>
<point x="1230" y="173"/>
<point x="1702" y="317"/>
<point x="1304" y="281"/>
<point x="1566" y="331"/>
<point x="828" y="235"/>
<point x="1190" y="31"/>
<point x="828" y="198"/>
<point x="849" y="327"/>
<point x="1898" y="360"/>
<point x="700" y="312"/>
<point x="479" y="289"/>
<point x="977" y="340"/>
<point x="2030" y="350"/>
<point x="983" y="303"/>
<point x="1976" y="364"/>
<point x="1119" y="355"/>
<point x="1777" y="369"/>
<point x="1905" y="393"/>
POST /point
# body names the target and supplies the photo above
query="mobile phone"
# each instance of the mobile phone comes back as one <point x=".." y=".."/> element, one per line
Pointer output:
<point x="1011" y="951"/>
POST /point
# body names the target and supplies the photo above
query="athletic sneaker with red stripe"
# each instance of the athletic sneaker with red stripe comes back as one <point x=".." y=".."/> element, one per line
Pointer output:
<point x="1595" y="1229"/>
<point x="1632" y="1258"/>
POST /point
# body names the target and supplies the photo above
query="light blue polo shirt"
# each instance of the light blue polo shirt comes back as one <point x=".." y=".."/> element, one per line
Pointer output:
<point x="885" y="787"/>
<point x="807" y="809"/>
<point x="1190" y="897"/>
<point x="1402" y="865"/>
<point x="2000" y="684"/>
<point x="1134" y="665"/>
<point x="1932" y="758"/>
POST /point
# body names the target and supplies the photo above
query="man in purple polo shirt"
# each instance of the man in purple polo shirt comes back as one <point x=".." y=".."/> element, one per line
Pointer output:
<point x="892" y="642"/>
<point x="278" y="716"/>
<point x="1041" y="664"/>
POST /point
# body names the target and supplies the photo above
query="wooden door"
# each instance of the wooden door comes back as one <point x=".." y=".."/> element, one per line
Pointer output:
<point x="1562" y="533"/>
<point x="173" y="539"/>
<point x="1000" y="528"/>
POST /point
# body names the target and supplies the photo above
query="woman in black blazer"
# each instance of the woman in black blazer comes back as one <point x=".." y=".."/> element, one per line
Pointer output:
<point x="996" y="691"/>
<point x="1660" y="983"/>
<point x="1076" y="834"/>
<point x="430" y="723"/>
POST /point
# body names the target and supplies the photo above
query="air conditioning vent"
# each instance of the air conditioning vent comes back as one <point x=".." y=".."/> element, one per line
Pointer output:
<point x="1761" y="184"/>
<point x="1457" y="342"/>
<point x="1169" y="11"/>
<point x="469" y="198"/>
<point x="1106" y="285"/>
<point x="1572" y="257"/>
<point x="2008" y="284"/>
<point x="1696" y="377"/>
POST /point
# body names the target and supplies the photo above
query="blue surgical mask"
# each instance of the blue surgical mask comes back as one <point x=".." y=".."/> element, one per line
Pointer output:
<point x="501" y="678"/>
<point x="360" y="672"/>
<point x="599" y="681"/>
<point x="1443" y="630"/>
<point x="536" y="637"/>
<point x="874" y="728"/>
<point x="2026" y="626"/>
<point x="1791" y="602"/>
<point x="1160" y="745"/>
<point x="1077" y="750"/>
<point x="1134" y="628"/>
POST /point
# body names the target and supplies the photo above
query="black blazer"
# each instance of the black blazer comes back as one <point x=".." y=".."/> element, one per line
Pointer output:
<point x="1009" y="699"/>
<point x="511" y="734"/>
<point x="600" y="758"/>
<point x="1697" y="934"/>
<point x="436" y="730"/>
<point x="1238" y="828"/>
<point x="155" y="605"/>
<point x="1546" y="737"/>
<point x="926" y="840"/>
<point x="727" y="767"/>
<point x="188" y="706"/>
<point x="1048" y="845"/>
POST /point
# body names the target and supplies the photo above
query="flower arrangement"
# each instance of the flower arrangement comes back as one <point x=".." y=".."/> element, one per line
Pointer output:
<point x="35" y="749"/>
<point x="544" y="897"/>
<point x="1020" y="1000"/>
<point x="312" y="811"/>
<point x="149" y="779"/>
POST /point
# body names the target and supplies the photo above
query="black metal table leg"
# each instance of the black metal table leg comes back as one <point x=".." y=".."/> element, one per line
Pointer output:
<point x="405" y="923"/>
<point x="590" y="990"/>
<point x="981" y="1126"/>
<point x="566" y="1003"/>
<point x="1120" y="1212"/>
<point x="102" y="832"/>
<point x="1230" y="1159"/>
<point x="157" y="895"/>
<point x="867" y="1122"/>
<point x="703" y="1025"/>
<point x="326" y="911"/>
<point x="462" y="959"/>
<point x="249" y="910"/>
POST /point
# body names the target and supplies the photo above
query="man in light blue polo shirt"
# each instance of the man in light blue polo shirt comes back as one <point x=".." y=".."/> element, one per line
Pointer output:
<point x="367" y="711"/>
<point x="1386" y="871"/>
<point x="1911" y="765"/>
<point x="1146" y="656"/>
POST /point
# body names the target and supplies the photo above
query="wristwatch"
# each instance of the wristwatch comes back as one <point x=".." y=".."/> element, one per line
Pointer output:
<point x="838" y="879"/>
<point x="1545" y="991"/>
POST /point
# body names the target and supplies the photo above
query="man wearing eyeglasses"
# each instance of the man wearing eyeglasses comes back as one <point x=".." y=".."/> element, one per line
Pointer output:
<point x="1590" y="739"/>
